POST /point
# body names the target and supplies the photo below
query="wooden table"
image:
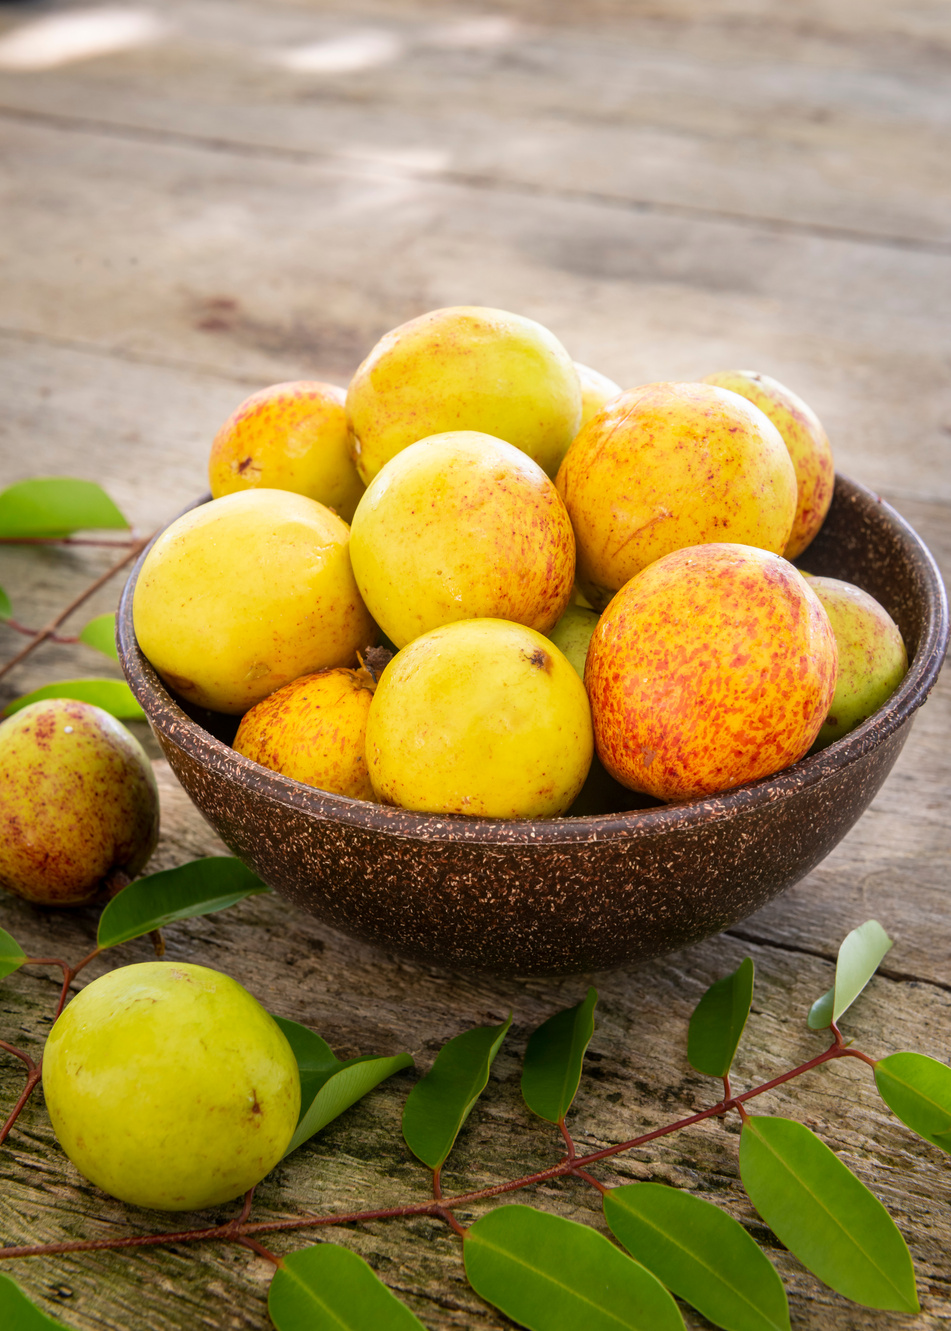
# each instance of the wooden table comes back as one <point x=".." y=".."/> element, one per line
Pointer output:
<point x="672" y="188"/>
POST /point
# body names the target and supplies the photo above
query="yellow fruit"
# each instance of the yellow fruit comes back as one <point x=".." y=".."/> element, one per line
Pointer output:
<point x="291" y="436"/>
<point x="806" y="440"/>
<point x="239" y="596"/>
<point x="462" y="526"/>
<point x="169" y="1086"/>
<point x="597" y="390"/>
<point x="314" y="730"/>
<point x="713" y="667"/>
<point x="464" y="368"/>
<point x="480" y="717"/>
<point x="672" y="465"/>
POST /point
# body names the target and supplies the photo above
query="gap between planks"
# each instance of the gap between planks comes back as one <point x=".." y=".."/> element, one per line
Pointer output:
<point x="368" y="165"/>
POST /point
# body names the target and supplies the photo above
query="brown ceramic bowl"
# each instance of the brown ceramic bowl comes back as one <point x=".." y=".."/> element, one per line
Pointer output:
<point x="566" y="894"/>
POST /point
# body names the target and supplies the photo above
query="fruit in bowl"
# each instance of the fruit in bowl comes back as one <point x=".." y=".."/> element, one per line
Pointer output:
<point x="506" y="886"/>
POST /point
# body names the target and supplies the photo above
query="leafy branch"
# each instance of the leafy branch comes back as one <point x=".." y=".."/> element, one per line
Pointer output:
<point x="542" y="1270"/>
<point x="49" y="511"/>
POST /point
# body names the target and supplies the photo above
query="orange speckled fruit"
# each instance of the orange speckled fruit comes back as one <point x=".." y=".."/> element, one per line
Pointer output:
<point x="314" y="730"/>
<point x="665" y="466"/>
<point x="713" y="667"/>
<point x="806" y="440"/>
<point x="292" y="436"/>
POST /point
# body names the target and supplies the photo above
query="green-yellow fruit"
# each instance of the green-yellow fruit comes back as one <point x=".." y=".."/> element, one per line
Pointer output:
<point x="467" y="367"/>
<point x="480" y="717"/>
<point x="667" y="466"/>
<point x="78" y="800"/>
<point x="240" y="596"/>
<point x="572" y="634"/>
<point x="291" y="436"/>
<point x="462" y="526"/>
<point x="872" y="656"/>
<point x="597" y="390"/>
<point x="169" y="1086"/>
<point x="314" y="730"/>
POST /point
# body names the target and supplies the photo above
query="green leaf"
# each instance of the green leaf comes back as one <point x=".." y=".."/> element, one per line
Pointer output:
<point x="12" y="955"/>
<point x="6" y="608"/>
<point x="825" y="1215"/>
<point x="198" y="888"/>
<point x="860" y="956"/>
<point x="701" y="1253"/>
<point x="112" y="695"/>
<point x="328" y="1084"/>
<point x="55" y="506"/>
<point x="552" y="1068"/>
<point x="917" y="1089"/>
<point x="101" y="634"/>
<point x="17" y="1313"/>
<point x="718" y="1021"/>
<point x="552" y="1274"/>
<point x="329" y="1288"/>
<point x="440" y="1102"/>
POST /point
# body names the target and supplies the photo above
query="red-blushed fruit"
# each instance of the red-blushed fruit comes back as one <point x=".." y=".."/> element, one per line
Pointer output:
<point x="806" y="440"/>
<point x="293" y="436"/>
<point x="78" y="800"/>
<point x="713" y="667"/>
<point x="666" y="466"/>
<point x="314" y="730"/>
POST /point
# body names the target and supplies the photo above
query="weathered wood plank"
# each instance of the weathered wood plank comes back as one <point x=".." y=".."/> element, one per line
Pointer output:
<point x="857" y="330"/>
<point x="762" y="112"/>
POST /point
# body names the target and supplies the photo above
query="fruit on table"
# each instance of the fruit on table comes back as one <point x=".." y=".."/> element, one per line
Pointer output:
<point x="314" y="730"/>
<point x="241" y="595"/>
<point x="462" y="526"/>
<point x="872" y="656"/>
<point x="572" y="634"/>
<point x="291" y="436"/>
<point x="806" y="440"/>
<point x="597" y="390"/>
<point x="671" y="465"/>
<point x="467" y="367"/>
<point x="169" y="1086"/>
<point x="714" y="666"/>
<point x="78" y="800"/>
<point x="480" y="717"/>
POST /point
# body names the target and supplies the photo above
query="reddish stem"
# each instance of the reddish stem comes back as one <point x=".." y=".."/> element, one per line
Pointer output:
<point x="31" y="633"/>
<point x="33" y="1078"/>
<point x="448" y="1216"/>
<point x="41" y="636"/>
<point x="440" y="1206"/>
<point x="260" y="1249"/>
<point x="18" y="1053"/>
<point x="589" y="1178"/>
<point x="569" y="1140"/>
<point x="67" y="540"/>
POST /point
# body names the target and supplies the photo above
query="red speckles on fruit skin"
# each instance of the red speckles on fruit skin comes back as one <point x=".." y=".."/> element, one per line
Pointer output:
<point x="690" y="697"/>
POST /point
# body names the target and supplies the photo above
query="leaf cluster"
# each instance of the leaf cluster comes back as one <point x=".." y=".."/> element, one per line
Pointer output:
<point x="659" y="1244"/>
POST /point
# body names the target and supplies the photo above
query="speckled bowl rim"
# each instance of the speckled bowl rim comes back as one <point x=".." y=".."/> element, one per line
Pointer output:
<point x="213" y="754"/>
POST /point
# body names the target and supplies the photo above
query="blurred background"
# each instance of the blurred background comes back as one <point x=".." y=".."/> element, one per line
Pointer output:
<point x="200" y="197"/>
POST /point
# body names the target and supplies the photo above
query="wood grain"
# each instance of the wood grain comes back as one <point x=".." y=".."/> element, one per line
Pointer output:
<point x="673" y="189"/>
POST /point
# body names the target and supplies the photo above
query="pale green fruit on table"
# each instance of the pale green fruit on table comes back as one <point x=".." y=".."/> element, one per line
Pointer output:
<point x="872" y="656"/>
<point x="169" y="1086"/>
<point x="78" y="799"/>
<point x="480" y="717"/>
